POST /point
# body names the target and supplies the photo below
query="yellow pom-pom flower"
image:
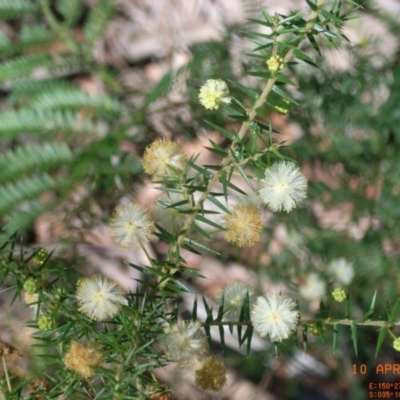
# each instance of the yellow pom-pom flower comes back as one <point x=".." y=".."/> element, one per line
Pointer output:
<point x="284" y="186"/>
<point x="274" y="315"/>
<point x="31" y="299"/>
<point x="185" y="342"/>
<point x="211" y="375"/>
<point x="99" y="298"/>
<point x="213" y="93"/>
<point x="243" y="225"/>
<point x="131" y="225"/>
<point x="82" y="358"/>
<point x="162" y="157"/>
<point x="396" y="344"/>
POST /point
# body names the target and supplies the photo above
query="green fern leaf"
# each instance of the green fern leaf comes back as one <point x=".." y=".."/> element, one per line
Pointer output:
<point x="66" y="65"/>
<point x="12" y="9"/>
<point x="71" y="10"/>
<point x="30" y="188"/>
<point x="28" y="89"/>
<point x="12" y="123"/>
<point x="30" y="36"/>
<point x="23" y="159"/>
<point x="98" y="19"/>
<point x="12" y="48"/>
<point x="21" y="67"/>
<point x="74" y="99"/>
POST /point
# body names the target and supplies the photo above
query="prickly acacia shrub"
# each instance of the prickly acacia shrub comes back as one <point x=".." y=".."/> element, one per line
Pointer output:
<point x="98" y="339"/>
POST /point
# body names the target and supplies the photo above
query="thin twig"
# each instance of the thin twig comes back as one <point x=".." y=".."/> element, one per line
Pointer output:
<point x="6" y="373"/>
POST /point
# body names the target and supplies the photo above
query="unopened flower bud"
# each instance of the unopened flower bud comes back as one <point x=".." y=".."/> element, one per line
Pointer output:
<point x="339" y="295"/>
<point x="275" y="63"/>
<point x="41" y="256"/>
<point x="46" y="323"/>
<point x="31" y="285"/>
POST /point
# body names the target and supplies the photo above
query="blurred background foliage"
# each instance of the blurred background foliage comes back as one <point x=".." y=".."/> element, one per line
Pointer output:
<point x="77" y="109"/>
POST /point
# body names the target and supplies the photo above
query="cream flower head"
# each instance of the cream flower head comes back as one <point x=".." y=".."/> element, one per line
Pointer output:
<point x="213" y="93"/>
<point x="284" y="186"/>
<point x="167" y="217"/>
<point x="162" y="154"/>
<point x="131" y="225"/>
<point x="313" y="287"/>
<point x="81" y="358"/>
<point x="243" y="225"/>
<point x="274" y="315"/>
<point x="342" y="270"/>
<point x="99" y="298"/>
<point x="211" y="375"/>
<point x="185" y="342"/>
<point x="234" y="296"/>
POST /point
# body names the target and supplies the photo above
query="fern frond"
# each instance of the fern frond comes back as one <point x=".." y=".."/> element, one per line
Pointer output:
<point x="12" y="123"/>
<point x="71" y="10"/>
<point x="12" y="9"/>
<point x="74" y="99"/>
<point x="98" y="19"/>
<point x="23" y="159"/>
<point x="31" y="36"/>
<point x="66" y="65"/>
<point x="30" y="188"/>
<point x="22" y="67"/>
<point x="28" y="89"/>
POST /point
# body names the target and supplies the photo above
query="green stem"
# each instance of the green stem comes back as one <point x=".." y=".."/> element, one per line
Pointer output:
<point x="328" y="321"/>
<point x="6" y="373"/>
<point x="240" y="135"/>
<point x="57" y="27"/>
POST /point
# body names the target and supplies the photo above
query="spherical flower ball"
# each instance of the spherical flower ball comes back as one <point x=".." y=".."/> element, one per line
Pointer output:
<point x="168" y="217"/>
<point x="81" y="358"/>
<point x="274" y="315"/>
<point x="275" y="63"/>
<point x="342" y="270"/>
<point x="243" y="225"/>
<point x="99" y="298"/>
<point x="312" y="287"/>
<point x="396" y="344"/>
<point x="211" y="375"/>
<point x="339" y="295"/>
<point x="185" y="342"/>
<point x="131" y="225"/>
<point x="31" y="285"/>
<point x="46" y="322"/>
<point x="284" y="186"/>
<point x="234" y="296"/>
<point x="31" y="299"/>
<point x="162" y="157"/>
<point x="213" y="93"/>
